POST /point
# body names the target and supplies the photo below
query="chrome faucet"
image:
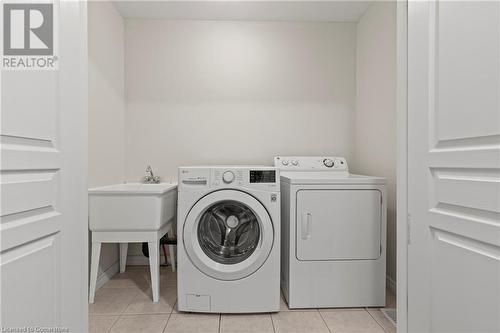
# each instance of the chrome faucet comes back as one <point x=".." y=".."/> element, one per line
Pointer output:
<point x="150" y="178"/>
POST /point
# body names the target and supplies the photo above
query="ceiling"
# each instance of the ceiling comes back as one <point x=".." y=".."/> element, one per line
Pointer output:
<point x="316" y="11"/>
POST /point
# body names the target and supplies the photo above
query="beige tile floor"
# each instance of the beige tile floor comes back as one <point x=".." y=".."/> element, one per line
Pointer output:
<point x="124" y="305"/>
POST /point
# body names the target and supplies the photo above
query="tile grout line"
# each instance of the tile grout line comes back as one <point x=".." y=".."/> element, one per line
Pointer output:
<point x="131" y="300"/>
<point x="173" y="306"/>
<point x="169" y="316"/>
<point x="114" y="322"/>
<point x="123" y="314"/>
<point x="136" y="292"/>
<point x="142" y="314"/>
<point x="272" y="322"/>
<point x="220" y="319"/>
<point x="324" y="322"/>
<point x="383" y="328"/>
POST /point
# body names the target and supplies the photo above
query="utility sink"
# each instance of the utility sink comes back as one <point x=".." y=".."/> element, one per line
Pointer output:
<point x="132" y="206"/>
<point x="131" y="213"/>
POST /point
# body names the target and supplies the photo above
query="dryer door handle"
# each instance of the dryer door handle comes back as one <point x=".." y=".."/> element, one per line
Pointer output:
<point x="306" y="225"/>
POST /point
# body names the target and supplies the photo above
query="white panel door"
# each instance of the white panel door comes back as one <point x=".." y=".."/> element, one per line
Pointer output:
<point x="454" y="166"/>
<point x="338" y="224"/>
<point x="43" y="249"/>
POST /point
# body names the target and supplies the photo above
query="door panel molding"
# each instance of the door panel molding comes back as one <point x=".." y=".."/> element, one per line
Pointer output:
<point x="453" y="186"/>
<point x="36" y="264"/>
<point x="486" y="142"/>
<point x="467" y="213"/>
<point x="22" y="227"/>
<point x="452" y="82"/>
<point x="466" y="243"/>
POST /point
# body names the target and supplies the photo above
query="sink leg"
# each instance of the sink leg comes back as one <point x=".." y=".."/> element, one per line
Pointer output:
<point x="94" y="266"/>
<point x="123" y="256"/>
<point x="171" y="249"/>
<point x="154" y="267"/>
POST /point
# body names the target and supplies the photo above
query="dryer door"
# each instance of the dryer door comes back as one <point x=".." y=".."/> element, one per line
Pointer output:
<point x="338" y="224"/>
<point x="228" y="234"/>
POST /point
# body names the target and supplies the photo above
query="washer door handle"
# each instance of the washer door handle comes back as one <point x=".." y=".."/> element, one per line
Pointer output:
<point x="306" y="225"/>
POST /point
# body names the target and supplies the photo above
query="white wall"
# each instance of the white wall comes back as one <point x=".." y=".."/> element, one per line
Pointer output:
<point x="375" y="117"/>
<point x="106" y="33"/>
<point x="221" y="92"/>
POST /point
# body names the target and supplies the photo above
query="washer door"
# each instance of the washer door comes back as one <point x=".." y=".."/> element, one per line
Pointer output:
<point x="228" y="234"/>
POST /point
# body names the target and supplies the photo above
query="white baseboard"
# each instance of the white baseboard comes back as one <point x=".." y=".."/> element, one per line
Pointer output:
<point x="107" y="274"/>
<point x="133" y="260"/>
<point x="137" y="260"/>
<point x="140" y="260"/>
<point x="391" y="284"/>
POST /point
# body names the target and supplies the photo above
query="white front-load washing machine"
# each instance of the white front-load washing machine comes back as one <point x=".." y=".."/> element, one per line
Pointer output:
<point x="334" y="234"/>
<point x="229" y="239"/>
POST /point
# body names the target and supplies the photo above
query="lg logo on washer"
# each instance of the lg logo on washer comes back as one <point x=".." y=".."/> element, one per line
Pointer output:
<point x="29" y="41"/>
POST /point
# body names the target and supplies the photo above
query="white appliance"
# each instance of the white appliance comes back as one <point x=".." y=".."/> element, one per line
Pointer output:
<point x="229" y="233"/>
<point x="333" y="234"/>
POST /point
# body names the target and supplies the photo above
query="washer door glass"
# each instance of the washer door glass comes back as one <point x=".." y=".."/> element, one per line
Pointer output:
<point x="228" y="232"/>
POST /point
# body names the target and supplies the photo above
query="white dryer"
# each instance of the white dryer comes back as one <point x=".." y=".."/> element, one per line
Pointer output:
<point x="229" y="243"/>
<point x="333" y="234"/>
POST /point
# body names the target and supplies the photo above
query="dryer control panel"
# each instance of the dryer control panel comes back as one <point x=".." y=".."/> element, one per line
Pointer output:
<point x="316" y="163"/>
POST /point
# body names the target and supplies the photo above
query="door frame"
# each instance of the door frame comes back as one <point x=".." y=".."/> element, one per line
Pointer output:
<point x="73" y="83"/>
<point x="403" y="229"/>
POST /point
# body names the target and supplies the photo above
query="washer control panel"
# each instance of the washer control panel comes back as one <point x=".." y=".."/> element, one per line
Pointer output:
<point x="262" y="176"/>
<point x="255" y="177"/>
<point x="319" y="163"/>
<point x="227" y="176"/>
<point x="234" y="176"/>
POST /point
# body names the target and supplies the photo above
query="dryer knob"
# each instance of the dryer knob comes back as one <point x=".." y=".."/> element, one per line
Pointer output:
<point x="284" y="162"/>
<point x="328" y="162"/>
<point x="228" y="177"/>
<point x="295" y="162"/>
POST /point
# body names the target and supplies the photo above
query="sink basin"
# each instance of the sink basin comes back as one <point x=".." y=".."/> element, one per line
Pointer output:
<point x="132" y="206"/>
